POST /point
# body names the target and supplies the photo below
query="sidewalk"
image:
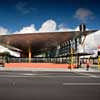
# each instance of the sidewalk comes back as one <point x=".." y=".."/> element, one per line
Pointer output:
<point x="84" y="70"/>
<point x="50" y="69"/>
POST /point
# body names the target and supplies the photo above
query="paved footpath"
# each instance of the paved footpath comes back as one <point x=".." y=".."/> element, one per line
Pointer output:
<point x="51" y="69"/>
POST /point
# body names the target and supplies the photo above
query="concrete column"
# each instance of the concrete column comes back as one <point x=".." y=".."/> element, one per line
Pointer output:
<point x="29" y="55"/>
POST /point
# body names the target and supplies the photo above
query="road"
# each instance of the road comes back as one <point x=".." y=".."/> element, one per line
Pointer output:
<point x="28" y="85"/>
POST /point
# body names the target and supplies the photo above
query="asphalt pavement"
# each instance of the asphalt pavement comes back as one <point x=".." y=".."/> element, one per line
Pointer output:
<point x="36" y="85"/>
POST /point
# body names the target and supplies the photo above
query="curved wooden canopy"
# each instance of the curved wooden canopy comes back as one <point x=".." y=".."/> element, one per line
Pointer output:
<point x="37" y="41"/>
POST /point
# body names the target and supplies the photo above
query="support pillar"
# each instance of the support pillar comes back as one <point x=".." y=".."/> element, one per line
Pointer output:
<point x="99" y="62"/>
<point x="71" y="53"/>
<point x="29" y="55"/>
<point x="78" y="61"/>
<point x="99" y="58"/>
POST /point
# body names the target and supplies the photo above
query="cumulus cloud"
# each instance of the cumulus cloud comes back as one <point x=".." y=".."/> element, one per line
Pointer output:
<point x="92" y="41"/>
<point x="48" y="26"/>
<point x="27" y="29"/>
<point x="61" y="27"/>
<point x="64" y="29"/>
<point x="83" y="14"/>
<point x="3" y="31"/>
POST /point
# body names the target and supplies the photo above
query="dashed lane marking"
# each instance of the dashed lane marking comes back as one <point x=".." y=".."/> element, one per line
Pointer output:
<point x="87" y="74"/>
<point x="5" y="76"/>
<point x="90" y="84"/>
<point x="41" y="76"/>
<point x="77" y="74"/>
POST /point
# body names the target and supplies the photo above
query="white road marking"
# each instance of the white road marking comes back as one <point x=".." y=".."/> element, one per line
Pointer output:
<point x="41" y="76"/>
<point x="81" y="84"/>
<point x="5" y="76"/>
<point x="64" y="76"/>
<point x="87" y="74"/>
<point x="28" y="74"/>
<point x="78" y="75"/>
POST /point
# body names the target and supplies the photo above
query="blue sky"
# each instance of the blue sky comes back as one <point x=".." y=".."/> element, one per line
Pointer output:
<point x="16" y="14"/>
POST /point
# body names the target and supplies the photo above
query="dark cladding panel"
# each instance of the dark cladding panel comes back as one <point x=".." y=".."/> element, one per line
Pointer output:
<point x="82" y="27"/>
<point x="98" y="53"/>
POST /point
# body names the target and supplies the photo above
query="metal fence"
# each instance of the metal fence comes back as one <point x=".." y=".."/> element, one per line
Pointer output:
<point x="37" y="60"/>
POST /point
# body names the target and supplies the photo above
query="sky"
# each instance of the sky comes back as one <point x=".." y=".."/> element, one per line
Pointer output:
<point x="47" y="15"/>
<point x="33" y="16"/>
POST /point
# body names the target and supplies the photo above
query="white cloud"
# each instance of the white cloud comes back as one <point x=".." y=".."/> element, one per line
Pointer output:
<point x="48" y="26"/>
<point x="83" y="14"/>
<point x="62" y="28"/>
<point x="28" y="29"/>
<point x="77" y="29"/>
<point x="3" y="31"/>
<point x="91" y="43"/>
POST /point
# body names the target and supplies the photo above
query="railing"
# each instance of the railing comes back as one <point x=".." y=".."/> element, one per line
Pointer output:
<point x="37" y="60"/>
